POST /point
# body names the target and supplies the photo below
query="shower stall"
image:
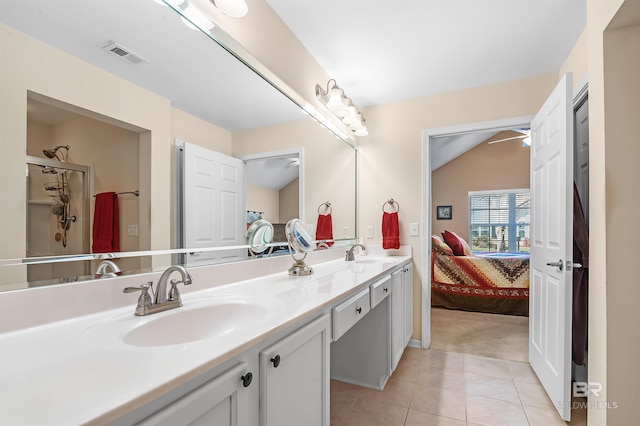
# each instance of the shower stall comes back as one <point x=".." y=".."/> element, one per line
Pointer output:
<point x="57" y="215"/>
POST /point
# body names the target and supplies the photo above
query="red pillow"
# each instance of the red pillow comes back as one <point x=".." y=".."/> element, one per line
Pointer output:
<point x="440" y="246"/>
<point x="458" y="245"/>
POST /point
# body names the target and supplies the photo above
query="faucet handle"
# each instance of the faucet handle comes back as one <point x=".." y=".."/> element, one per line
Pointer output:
<point x="145" y="299"/>
<point x="174" y="293"/>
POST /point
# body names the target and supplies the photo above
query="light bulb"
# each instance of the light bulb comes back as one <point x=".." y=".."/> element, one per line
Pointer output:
<point x="351" y="116"/>
<point x="233" y="8"/>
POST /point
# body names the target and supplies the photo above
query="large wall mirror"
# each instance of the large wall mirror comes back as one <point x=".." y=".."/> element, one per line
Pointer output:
<point x="94" y="97"/>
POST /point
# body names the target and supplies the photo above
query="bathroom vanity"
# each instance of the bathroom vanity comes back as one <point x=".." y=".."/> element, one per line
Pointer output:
<point x="257" y="351"/>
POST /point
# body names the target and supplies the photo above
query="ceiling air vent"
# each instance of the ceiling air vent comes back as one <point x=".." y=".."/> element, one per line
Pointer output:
<point x="124" y="53"/>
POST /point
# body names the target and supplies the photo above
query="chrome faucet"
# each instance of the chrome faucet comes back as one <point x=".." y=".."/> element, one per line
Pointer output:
<point x="160" y="301"/>
<point x="174" y="294"/>
<point x="350" y="256"/>
<point x="101" y="272"/>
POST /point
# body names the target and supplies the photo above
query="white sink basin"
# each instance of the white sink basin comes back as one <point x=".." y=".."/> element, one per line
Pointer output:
<point x="202" y="321"/>
<point x="195" y="324"/>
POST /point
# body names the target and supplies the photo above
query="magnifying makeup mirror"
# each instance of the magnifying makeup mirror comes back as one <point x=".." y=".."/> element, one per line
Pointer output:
<point x="259" y="236"/>
<point x="300" y="241"/>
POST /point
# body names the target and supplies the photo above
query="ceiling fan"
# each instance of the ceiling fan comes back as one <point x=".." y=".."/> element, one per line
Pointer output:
<point x="525" y="136"/>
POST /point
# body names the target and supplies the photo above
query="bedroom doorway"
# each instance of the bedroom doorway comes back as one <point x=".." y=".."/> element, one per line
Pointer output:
<point x="444" y="138"/>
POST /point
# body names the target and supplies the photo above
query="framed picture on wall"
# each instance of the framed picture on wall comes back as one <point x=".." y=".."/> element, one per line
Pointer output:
<point x="443" y="212"/>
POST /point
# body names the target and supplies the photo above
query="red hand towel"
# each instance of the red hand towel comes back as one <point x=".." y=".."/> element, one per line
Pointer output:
<point x="390" y="231"/>
<point x="324" y="228"/>
<point x="106" y="223"/>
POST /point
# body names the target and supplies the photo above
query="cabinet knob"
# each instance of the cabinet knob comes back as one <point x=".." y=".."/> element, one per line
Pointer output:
<point x="246" y="379"/>
<point x="386" y="290"/>
<point x="359" y="310"/>
<point x="276" y="361"/>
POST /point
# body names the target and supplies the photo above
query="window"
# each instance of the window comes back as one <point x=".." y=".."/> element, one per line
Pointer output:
<point x="500" y="220"/>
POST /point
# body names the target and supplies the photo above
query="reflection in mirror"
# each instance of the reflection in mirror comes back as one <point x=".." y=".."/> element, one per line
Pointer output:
<point x="274" y="182"/>
<point x="260" y="236"/>
<point x="119" y="120"/>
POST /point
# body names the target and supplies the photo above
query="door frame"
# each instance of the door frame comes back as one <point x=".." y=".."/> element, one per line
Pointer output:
<point x="427" y="134"/>
<point x="580" y="92"/>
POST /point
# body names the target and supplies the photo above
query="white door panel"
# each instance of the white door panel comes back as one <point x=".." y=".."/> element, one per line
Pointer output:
<point x="552" y="227"/>
<point x="213" y="204"/>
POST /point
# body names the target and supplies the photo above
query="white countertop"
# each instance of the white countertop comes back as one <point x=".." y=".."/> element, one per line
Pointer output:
<point x="81" y="369"/>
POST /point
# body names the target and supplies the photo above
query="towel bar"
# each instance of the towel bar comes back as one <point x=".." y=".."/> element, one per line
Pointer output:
<point x="327" y="206"/>
<point x="391" y="202"/>
<point x="136" y="193"/>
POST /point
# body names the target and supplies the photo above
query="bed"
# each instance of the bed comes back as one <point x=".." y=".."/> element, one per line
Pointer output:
<point x="488" y="282"/>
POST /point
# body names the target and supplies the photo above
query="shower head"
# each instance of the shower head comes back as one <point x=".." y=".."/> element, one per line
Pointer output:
<point x="53" y="153"/>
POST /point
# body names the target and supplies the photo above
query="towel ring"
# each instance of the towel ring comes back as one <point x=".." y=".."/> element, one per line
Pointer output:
<point x="391" y="202"/>
<point x="327" y="206"/>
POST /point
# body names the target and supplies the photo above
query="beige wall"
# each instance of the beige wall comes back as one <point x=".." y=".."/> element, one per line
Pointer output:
<point x="289" y="201"/>
<point x="261" y="199"/>
<point x="614" y="64"/>
<point x="576" y="62"/>
<point x="497" y="166"/>
<point x="196" y="131"/>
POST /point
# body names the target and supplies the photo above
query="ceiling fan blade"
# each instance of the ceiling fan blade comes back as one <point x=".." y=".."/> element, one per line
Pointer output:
<point x="508" y="139"/>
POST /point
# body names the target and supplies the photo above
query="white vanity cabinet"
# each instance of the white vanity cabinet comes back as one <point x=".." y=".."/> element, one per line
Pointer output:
<point x="229" y="399"/>
<point x="362" y="354"/>
<point x="294" y="378"/>
<point x="401" y="311"/>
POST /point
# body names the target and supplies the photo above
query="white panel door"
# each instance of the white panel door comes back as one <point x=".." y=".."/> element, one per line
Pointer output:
<point x="213" y="211"/>
<point x="552" y="245"/>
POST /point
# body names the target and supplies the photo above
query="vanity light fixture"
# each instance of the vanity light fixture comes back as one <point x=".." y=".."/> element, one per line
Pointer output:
<point x="341" y="106"/>
<point x="233" y="8"/>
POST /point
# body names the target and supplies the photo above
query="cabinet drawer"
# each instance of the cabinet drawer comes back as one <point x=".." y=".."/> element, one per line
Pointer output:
<point x="348" y="313"/>
<point x="379" y="290"/>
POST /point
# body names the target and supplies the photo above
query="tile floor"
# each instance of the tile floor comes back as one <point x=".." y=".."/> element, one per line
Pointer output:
<point x="433" y="387"/>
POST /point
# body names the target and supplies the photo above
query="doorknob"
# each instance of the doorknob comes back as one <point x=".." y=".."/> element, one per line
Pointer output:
<point x="559" y="264"/>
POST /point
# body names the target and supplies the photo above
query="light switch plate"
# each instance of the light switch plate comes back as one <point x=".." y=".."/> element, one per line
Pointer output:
<point x="413" y="230"/>
<point x="132" y="230"/>
<point x="369" y="231"/>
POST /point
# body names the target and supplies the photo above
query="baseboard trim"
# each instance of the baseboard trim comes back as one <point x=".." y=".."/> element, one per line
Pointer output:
<point x="415" y="343"/>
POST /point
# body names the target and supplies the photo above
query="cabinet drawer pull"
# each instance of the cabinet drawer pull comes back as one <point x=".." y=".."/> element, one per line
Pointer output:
<point x="276" y="361"/>
<point x="359" y="310"/>
<point x="386" y="290"/>
<point x="246" y="379"/>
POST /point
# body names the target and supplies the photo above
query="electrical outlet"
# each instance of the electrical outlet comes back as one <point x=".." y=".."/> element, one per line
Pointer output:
<point x="369" y="232"/>
<point x="413" y="230"/>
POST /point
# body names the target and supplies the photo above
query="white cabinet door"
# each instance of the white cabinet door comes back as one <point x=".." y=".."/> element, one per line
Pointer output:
<point x="407" y="304"/>
<point x="294" y="378"/>
<point x="225" y="400"/>
<point x="397" y="348"/>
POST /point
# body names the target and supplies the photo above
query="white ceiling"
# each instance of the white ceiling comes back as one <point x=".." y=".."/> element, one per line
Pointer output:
<point x="385" y="51"/>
